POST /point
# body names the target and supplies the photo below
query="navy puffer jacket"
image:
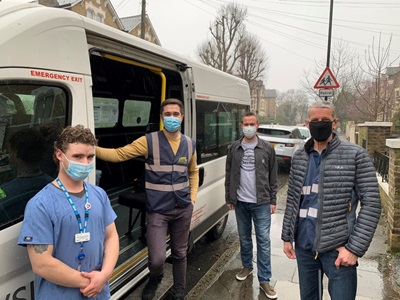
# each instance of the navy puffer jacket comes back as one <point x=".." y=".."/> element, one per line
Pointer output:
<point x="347" y="177"/>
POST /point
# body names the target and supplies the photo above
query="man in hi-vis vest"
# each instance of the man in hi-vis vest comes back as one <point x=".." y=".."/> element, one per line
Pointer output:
<point x="171" y="187"/>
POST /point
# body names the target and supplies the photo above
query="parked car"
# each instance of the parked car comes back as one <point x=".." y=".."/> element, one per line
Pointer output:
<point x="285" y="139"/>
<point x="305" y="133"/>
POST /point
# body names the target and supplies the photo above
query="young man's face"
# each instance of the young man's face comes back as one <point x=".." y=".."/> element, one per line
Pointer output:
<point x="172" y="110"/>
<point x="82" y="153"/>
<point x="250" y="121"/>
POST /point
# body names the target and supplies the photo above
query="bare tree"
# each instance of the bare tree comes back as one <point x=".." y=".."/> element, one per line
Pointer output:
<point x="292" y="107"/>
<point x="231" y="48"/>
<point x="373" y="88"/>
<point x="253" y="61"/>
<point x="343" y="58"/>
<point x="227" y="31"/>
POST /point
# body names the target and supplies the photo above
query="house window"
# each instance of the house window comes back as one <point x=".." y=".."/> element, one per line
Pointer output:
<point x="100" y="18"/>
<point x="89" y="14"/>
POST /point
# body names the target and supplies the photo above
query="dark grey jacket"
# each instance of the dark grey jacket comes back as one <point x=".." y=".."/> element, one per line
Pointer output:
<point x="266" y="172"/>
<point x="347" y="176"/>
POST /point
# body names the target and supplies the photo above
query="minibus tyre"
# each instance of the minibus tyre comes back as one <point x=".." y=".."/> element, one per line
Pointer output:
<point x="216" y="232"/>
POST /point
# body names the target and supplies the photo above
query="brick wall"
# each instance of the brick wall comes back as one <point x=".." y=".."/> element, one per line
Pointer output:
<point x="372" y="136"/>
<point x="362" y="136"/>
<point x="376" y="138"/>
<point x="385" y="200"/>
<point x="391" y="204"/>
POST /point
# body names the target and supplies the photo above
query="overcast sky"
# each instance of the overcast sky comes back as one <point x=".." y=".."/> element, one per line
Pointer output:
<point x="292" y="32"/>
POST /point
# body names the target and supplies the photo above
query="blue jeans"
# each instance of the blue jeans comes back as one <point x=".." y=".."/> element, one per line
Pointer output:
<point x="342" y="283"/>
<point x="261" y="216"/>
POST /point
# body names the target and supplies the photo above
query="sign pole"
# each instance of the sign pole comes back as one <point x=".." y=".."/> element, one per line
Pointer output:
<point x="329" y="37"/>
<point x="327" y="81"/>
<point x="143" y="20"/>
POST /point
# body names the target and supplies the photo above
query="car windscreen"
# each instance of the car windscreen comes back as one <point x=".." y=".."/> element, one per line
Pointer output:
<point x="275" y="132"/>
<point x="305" y="132"/>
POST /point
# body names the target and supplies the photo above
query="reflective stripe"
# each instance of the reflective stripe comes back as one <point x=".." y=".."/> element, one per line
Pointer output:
<point x="165" y="168"/>
<point x="190" y="148"/>
<point x="314" y="188"/>
<point x="310" y="212"/>
<point x="156" y="148"/>
<point x="303" y="213"/>
<point x="306" y="190"/>
<point x="167" y="188"/>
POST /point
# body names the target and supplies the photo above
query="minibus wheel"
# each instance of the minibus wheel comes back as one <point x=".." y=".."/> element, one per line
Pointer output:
<point x="216" y="232"/>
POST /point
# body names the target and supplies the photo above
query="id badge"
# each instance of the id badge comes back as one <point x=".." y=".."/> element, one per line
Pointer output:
<point x="82" y="237"/>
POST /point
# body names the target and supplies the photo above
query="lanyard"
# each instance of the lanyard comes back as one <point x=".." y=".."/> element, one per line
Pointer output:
<point x="81" y="255"/>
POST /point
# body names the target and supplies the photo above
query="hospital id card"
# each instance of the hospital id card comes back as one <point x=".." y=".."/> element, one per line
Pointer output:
<point x="82" y="237"/>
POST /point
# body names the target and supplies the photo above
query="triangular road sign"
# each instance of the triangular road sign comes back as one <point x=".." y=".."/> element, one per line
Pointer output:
<point x="326" y="80"/>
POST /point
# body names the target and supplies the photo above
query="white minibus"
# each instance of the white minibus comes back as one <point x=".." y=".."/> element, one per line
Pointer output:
<point x="58" y="68"/>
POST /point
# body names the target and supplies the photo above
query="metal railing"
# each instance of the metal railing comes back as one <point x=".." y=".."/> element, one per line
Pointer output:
<point x="381" y="163"/>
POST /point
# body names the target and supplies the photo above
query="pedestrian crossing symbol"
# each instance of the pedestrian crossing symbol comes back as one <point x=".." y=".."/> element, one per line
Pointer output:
<point x="326" y="80"/>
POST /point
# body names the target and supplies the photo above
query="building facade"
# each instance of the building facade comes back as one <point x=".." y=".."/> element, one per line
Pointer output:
<point x="263" y="101"/>
<point x="103" y="11"/>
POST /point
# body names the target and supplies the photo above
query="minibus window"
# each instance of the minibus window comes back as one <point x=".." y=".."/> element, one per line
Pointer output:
<point x="105" y="112"/>
<point x="136" y="113"/>
<point x="218" y="125"/>
<point x="31" y="117"/>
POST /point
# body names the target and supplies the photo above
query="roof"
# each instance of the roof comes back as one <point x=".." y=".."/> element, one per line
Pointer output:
<point x="270" y="93"/>
<point x="390" y="71"/>
<point x="131" y="22"/>
<point x="66" y="2"/>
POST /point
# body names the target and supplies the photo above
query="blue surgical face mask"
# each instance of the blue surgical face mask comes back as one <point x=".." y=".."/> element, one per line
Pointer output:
<point x="172" y="124"/>
<point x="78" y="171"/>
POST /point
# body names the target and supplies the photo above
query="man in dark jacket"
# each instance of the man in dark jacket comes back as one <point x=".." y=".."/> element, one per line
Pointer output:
<point x="250" y="189"/>
<point x="328" y="179"/>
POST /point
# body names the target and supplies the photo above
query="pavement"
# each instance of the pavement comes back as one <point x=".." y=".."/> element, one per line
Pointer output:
<point x="375" y="271"/>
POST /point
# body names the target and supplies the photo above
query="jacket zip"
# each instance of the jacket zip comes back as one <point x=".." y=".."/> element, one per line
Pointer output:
<point x="320" y="204"/>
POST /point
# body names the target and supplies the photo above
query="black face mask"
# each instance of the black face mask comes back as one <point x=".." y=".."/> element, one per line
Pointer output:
<point x="320" y="130"/>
